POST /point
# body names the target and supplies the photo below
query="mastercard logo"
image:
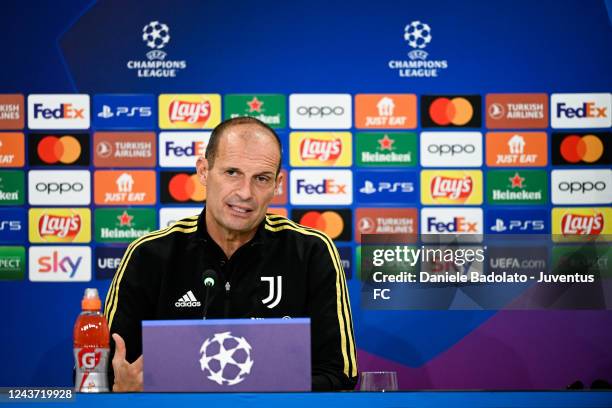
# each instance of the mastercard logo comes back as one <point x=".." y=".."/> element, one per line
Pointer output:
<point x="184" y="187"/>
<point x="455" y="111"/>
<point x="63" y="149"/>
<point x="329" y="222"/>
<point x="588" y="148"/>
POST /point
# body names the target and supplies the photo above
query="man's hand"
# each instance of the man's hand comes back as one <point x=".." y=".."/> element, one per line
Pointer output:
<point x="128" y="377"/>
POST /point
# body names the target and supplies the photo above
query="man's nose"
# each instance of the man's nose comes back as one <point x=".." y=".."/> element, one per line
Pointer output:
<point x="244" y="189"/>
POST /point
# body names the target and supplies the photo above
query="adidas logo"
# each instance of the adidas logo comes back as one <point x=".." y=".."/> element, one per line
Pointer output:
<point x="188" y="300"/>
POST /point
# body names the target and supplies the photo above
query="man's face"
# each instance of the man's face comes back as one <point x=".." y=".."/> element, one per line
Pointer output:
<point x="243" y="179"/>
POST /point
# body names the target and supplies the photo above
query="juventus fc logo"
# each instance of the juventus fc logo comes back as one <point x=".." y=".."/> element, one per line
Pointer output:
<point x="275" y="290"/>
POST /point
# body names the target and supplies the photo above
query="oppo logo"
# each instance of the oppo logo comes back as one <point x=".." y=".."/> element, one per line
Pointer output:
<point x="582" y="187"/>
<point x="60" y="188"/>
<point x="452" y="149"/>
<point x="320" y="111"/>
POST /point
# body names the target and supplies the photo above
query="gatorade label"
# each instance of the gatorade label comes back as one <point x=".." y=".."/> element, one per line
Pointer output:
<point x="91" y="374"/>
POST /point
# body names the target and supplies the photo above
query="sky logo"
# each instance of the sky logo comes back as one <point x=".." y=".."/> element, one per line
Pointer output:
<point x="386" y="187"/>
<point x="517" y="222"/>
<point x="13" y="225"/>
<point x="124" y="111"/>
<point x="60" y="264"/>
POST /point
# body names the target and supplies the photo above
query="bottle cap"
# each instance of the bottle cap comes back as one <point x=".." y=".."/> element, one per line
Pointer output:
<point x="91" y="300"/>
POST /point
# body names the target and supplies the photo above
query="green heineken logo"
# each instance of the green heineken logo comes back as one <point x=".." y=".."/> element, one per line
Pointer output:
<point x="11" y="188"/>
<point x="12" y="263"/>
<point x="119" y="225"/>
<point x="517" y="187"/>
<point x="386" y="149"/>
<point x="270" y="109"/>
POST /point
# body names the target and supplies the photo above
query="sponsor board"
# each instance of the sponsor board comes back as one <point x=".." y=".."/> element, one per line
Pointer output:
<point x="320" y="111"/>
<point x="59" y="225"/>
<point x="170" y="215"/>
<point x="451" y="149"/>
<point x="180" y="187"/>
<point x="581" y="224"/>
<point x="124" y="111"/>
<point x="321" y="187"/>
<point x="13" y="225"/>
<point x="517" y="111"/>
<point x="582" y="149"/>
<point x="335" y="223"/>
<point x="517" y="222"/>
<point x="124" y="187"/>
<point x="452" y="221"/>
<point x="269" y="108"/>
<point x="12" y="262"/>
<point x="321" y="149"/>
<point x="516" y="149"/>
<point x="59" y="263"/>
<point x="182" y="149"/>
<point x="588" y="110"/>
<point x="107" y="261"/>
<point x="123" y="225"/>
<point x="586" y="259"/>
<point x="58" y="149"/>
<point x="124" y="149"/>
<point x="58" y="111"/>
<point x="189" y="111"/>
<point x="12" y="149"/>
<point x="59" y="187"/>
<point x="447" y="187"/>
<point x="386" y="187"/>
<point x="401" y="223"/>
<point x="346" y="259"/>
<point x="12" y="112"/>
<point x="581" y="186"/>
<point x="451" y="111"/>
<point x="12" y="186"/>
<point x="517" y="187"/>
<point x="385" y="111"/>
<point x="392" y="149"/>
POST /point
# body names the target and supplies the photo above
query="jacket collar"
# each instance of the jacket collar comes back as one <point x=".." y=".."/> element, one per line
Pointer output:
<point x="202" y="231"/>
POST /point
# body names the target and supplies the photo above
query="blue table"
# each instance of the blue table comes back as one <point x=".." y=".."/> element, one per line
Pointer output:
<point x="454" y="399"/>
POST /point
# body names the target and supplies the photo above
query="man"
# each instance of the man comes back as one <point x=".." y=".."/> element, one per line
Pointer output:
<point x="234" y="236"/>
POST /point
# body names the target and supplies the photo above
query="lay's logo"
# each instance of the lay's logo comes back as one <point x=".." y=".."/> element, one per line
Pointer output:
<point x="318" y="149"/>
<point x="59" y="225"/>
<point x="581" y="224"/>
<point x="189" y="111"/>
<point x="451" y="187"/>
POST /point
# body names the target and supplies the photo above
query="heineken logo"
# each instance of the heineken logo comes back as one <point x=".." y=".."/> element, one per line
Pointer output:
<point x="270" y="109"/>
<point x="123" y="225"/>
<point x="386" y="149"/>
<point x="517" y="187"/>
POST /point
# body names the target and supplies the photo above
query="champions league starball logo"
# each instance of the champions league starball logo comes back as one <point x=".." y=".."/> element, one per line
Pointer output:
<point x="418" y="35"/>
<point x="226" y="359"/>
<point x="156" y="35"/>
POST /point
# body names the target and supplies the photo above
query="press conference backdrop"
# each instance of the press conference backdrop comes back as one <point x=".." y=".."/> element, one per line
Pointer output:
<point x="385" y="109"/>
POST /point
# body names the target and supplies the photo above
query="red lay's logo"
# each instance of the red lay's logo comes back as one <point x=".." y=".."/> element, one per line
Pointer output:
<point x="580" y="224"/>
<point x="59" y="226"/>
<point x="189" y="112"/>
<point x="451" y="187"/>
<point x="319" y="149"/>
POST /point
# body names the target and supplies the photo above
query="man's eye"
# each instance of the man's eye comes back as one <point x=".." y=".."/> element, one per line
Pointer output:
<point x="230" y="172"/>
<point x="263" y="179"/>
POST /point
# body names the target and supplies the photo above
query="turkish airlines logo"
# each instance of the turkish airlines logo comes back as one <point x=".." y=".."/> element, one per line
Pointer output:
<point x="61" y="111"/>
<point x="11" y="111"/>
<point x="581" y="110"/>
<point x="517" y="111"/>
<point x="451" y="111"/>
<point x="400" y="223"/>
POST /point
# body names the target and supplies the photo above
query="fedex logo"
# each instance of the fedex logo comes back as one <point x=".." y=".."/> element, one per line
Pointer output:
<point x="60" y="264"/>
<point x="180" y="149"/>
<point x="321" y="187"/>
<point x="452" y="221"/>
<point x="61" y="111"/>
<point x="581" y="110"/>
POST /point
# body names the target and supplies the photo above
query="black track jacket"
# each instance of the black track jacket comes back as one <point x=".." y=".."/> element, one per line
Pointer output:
<point x="160" y="275"/>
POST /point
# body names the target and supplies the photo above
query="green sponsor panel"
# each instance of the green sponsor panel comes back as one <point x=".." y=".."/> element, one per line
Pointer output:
<point x="123" y="225"/>
<point x="584" y="259"/>
<point x="270" y="109"/>
<point x="517" y="187"/>
<point x="384" y="259"/>
<point x="12" y="262"/>
<point x="12" y="187"/>
<point x="386" y="149"/>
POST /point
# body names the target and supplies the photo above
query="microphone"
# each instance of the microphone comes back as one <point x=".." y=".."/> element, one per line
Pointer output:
<point x="209" y="279"/>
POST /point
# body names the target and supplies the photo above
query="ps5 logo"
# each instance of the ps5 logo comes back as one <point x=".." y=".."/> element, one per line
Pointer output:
<point x="520" y="225"/>
<point x="129" y="112"/>
<point x="385" y="186"/>
<point x="275" y="290"/>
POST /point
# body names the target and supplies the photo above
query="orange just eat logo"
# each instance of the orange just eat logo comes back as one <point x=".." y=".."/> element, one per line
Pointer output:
<point x="390" y="111"/>
<point x="516" y="149"/>
<point x="451" y="187"/>
<point x="117" y="187"/>
<point x="316" y="149"/>
<point x="12" y="150"/>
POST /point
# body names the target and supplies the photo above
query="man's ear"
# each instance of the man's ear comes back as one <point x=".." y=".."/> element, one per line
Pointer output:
<point x="278" y="187"/>
<point x="202" y="169"/>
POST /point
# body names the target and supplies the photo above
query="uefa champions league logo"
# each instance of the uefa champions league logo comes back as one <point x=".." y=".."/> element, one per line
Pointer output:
<point x="226" y="359"/>
<point x="418" y="35"/>
<point x="156" y="35"/>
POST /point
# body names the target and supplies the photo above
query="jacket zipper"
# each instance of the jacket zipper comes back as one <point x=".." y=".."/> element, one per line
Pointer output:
<point x="227" y="299"/>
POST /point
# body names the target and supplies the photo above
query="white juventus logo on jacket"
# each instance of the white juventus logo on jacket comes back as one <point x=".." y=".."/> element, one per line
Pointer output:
<point x="275" y="290"/>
